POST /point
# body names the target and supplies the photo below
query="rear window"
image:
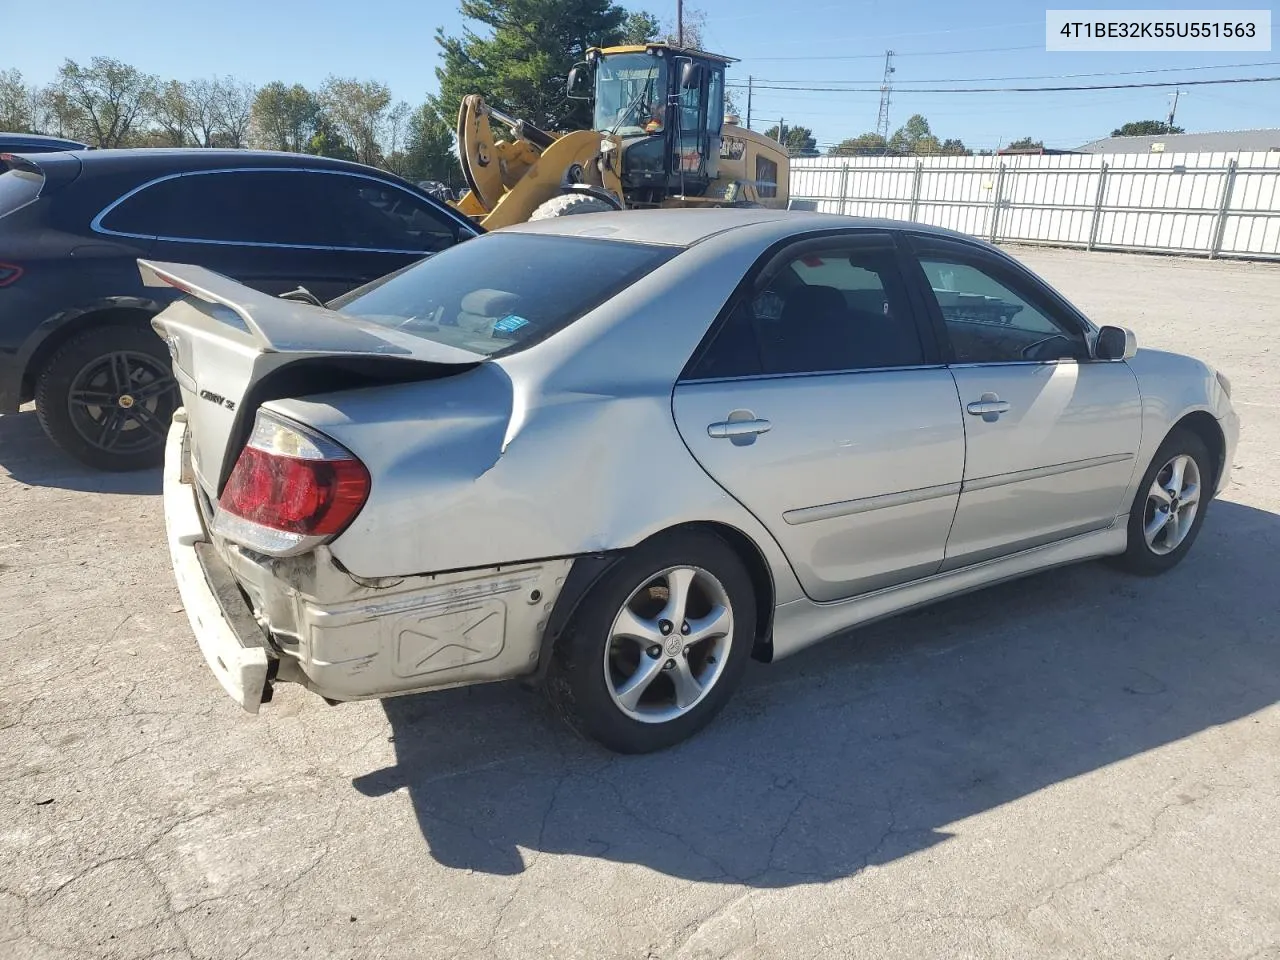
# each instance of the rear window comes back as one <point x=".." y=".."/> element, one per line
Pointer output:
<point x="17" y="189"/>
<point x="503" y="292"/>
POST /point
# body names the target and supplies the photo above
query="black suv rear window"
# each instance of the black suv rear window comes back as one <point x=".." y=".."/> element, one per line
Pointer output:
<point x="17" y="189"/>
<point x="503" y="291"/>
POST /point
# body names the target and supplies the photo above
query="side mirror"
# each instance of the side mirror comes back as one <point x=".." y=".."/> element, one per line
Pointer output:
<point x="1115" y="343"/>
<point x="578" y="86"/>
<point x="690" y="75"/>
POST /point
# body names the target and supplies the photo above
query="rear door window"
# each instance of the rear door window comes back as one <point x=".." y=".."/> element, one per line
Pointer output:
<point x="842" y="306"/>
<point x="371" y="215"/>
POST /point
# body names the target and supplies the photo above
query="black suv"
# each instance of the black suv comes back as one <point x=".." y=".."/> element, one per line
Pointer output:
<point x="75" y="331"/>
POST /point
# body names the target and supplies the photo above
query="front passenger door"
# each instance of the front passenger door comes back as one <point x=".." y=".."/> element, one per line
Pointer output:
<point x="817" y="405"/>
<point x="1051" y="434"/>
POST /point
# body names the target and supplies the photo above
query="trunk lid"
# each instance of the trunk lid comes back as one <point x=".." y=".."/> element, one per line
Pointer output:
<point x="234" y="348"/>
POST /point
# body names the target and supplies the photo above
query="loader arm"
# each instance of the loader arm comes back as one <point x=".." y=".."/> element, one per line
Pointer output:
<point x="510" y="179"/>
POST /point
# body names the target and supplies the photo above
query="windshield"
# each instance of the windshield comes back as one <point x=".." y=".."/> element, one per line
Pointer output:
<point x="503" y="292"/>
<point x="631" y="93"/>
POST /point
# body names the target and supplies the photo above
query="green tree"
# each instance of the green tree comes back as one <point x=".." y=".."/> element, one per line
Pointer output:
<point x="640" y="27"/>
<point x="285" y="118"/>
<point x="864" y="145"/>
<point x="1026" y="143"/>
<point x="202" y="106"/>
<point x="518" y="55"/>
<point x="799" y="141"/>
<point x="112" y="98"/>
<point x="17" y="112"/>
<point x="232" y="111"/>
<point x="429" y="146"/>
<point x="56" y="114"/>
<point x="955" y="148"/>
<point x="174" y="114"/>
<point x="695" y="28"/>
<point x="914" y="138"/>
<point x="1145" y="128"/>
<point x="359" y="111"/>
<point x="328" y="142"/>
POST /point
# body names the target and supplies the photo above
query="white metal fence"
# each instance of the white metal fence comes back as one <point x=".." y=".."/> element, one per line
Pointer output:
<point x="1209" y="204"/>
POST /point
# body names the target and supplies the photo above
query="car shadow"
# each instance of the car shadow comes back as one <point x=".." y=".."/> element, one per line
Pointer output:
<point x="863" y="749"/>
<point x="30" y="457"/>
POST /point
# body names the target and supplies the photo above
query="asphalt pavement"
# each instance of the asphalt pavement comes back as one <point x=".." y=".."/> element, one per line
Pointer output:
<point x="1080" y="764"/>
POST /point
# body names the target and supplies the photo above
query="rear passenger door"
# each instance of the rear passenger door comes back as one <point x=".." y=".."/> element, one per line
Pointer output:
<point x="816" y="403"/>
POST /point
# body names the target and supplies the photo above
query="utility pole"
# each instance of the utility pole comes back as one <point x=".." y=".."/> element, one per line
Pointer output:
<point x="882" y="121"/>
<point x="679" y="23"/>
<point x="750" y="84"/>
<point x="1173" y="109"/>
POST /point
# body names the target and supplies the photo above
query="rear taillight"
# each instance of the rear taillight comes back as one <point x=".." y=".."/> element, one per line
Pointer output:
<point x="9" y="272"/>
<point x="291" y="489"/>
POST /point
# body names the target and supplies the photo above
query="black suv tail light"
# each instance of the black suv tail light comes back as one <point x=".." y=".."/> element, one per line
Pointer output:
<point x="9" y="272"/>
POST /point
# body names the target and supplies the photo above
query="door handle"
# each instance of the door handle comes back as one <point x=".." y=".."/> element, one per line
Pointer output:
<point x="728" y="429"/>
<point x="988" y="408"/>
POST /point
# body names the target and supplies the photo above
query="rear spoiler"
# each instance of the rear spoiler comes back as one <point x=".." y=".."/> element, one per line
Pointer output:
<point x="203" y="284"/>
<point x="276" y="325"/>
<point x="57" y="167"/>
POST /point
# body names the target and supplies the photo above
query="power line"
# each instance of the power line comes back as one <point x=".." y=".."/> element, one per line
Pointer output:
<point x="923" y="53"/>
<point x="1094" y="86"/>
<point x="1045" y="76"/>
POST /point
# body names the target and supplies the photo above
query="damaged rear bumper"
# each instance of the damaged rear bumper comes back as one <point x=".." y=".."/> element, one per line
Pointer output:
<point x="344" y="637"/>
<point x="233" y="644"/>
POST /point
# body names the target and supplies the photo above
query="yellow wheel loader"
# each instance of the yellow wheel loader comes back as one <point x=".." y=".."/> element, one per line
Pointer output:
<point x="660" y="138"/>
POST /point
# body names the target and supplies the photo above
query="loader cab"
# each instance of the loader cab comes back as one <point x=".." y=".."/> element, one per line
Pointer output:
<point x="665" y="104"/>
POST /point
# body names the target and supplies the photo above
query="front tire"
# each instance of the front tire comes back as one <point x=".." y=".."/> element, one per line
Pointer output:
<point x="657" y="646"/>
<point x="1170" y="505"/>
<point x="106" y="397"/>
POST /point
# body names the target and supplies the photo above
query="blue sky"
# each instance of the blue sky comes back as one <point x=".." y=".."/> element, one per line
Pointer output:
<point x="392" y="40"/>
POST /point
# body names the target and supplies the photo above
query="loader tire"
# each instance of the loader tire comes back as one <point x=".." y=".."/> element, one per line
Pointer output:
<point x="568" y="204"/>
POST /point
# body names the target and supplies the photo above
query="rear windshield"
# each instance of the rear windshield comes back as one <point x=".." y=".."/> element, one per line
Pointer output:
<point x="17" y="189"/>
<point x="502" y="292"/>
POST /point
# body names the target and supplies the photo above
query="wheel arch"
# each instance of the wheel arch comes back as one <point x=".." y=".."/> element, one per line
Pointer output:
<point x="588" y="569"/>
<point x="57" y="330"/>
<point x="1205" y="426"/>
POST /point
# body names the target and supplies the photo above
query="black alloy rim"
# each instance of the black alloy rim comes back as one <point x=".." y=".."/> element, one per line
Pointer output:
<point x="122" y="402"/>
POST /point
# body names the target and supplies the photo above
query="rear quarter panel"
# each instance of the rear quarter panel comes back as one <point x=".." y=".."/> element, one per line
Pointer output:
<point x="566" y="448"/>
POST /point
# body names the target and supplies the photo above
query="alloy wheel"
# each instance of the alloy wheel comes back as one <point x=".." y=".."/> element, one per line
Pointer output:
<point x="121" y="402"/>
<point x="1172" y="504"/>
<point x="669" y="644"/>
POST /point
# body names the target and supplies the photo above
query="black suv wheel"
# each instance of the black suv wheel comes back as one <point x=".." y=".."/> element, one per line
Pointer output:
<point x="106" y="397"/>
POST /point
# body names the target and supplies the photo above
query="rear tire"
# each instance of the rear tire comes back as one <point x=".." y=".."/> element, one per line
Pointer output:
<point x="639" y="669"/>
<point x="1164" y="520"/>
<point x="568" y="204"/>
<point x="107" y="395"/>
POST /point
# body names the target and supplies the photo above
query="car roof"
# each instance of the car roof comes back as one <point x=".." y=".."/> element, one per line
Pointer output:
<point x="176" y="159"/>
<point x="685" y="226"/>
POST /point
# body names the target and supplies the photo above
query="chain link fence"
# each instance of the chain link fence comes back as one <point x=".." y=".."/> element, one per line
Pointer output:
<point x="1205" y="204"/>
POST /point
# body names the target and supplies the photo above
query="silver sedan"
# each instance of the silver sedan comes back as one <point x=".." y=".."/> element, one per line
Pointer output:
<point x="622" y="454"/>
